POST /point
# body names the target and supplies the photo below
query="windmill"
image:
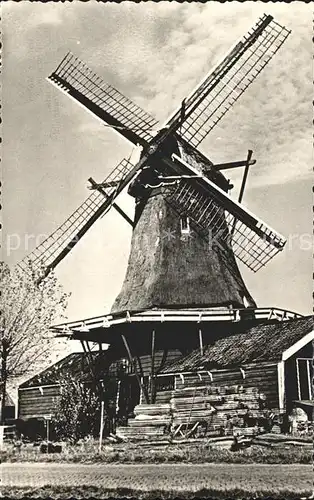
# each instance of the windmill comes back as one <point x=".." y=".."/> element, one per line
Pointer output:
<point x="187" y="230"/>
<point x="171" y="165"/>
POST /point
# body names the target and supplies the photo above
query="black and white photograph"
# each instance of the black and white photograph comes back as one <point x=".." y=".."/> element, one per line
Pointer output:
<point x="156" y="333"/>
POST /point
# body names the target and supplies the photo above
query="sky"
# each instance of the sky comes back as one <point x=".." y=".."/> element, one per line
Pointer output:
<point x="155" y="53"/>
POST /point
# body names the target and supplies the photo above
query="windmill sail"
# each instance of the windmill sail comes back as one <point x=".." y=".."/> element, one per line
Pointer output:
<point x="53" y="249"/>
<point x="227" y="82"/>
<point x="79" y="82"/>
<point x="210" y="208"/>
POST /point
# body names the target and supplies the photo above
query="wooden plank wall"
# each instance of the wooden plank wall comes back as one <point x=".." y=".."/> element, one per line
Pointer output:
<point x="263" y="376"/>
<point x="146" y="361"/>
<point x="36" y="402"/>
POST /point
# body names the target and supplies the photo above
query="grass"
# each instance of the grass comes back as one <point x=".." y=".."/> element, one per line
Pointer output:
<point x="201" y="452"/>
<point x="95" y="492"/>
<point x="161" y="481"/>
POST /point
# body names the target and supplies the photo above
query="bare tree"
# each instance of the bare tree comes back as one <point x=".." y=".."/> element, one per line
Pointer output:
<point x="27" y="310"/>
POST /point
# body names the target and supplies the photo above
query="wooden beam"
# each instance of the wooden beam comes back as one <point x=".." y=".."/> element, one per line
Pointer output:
<point x="88" y="358"/>
<point x="200" y="335"/>
<point x="234" y="164"/>
<point x="118" y="396"/>
<point x="245" y="174"/>
<point x="309" y="378"/>
<point x="152" y="375"/>
<point x="163" y="359"/>
<point x="126" y="345"/>
<point x="281" y="384"/>
<point x="98" y="384"/>
<point x="142" y="378"/>
<point x="101" y="190"/>
<point x="298" y="378"/>
<point x="309" y="337"/>
<point x="64" y="85"/>
<point x="101" y="429"/>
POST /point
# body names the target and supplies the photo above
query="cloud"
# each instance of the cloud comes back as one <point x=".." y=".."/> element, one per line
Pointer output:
<point x="48" y="14"/>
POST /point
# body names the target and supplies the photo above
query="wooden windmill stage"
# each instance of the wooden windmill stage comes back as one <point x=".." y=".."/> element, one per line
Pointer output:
<point x="183" y="289"/>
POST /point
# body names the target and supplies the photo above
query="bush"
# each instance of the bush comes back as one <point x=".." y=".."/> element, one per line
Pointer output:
<point x="78" y="410"/>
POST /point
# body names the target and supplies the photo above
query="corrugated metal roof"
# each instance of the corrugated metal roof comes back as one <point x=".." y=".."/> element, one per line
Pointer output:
<point x="261" y="343"/>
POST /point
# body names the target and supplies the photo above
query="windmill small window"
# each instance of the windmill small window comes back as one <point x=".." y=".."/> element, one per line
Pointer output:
<point x="185" y="224"/>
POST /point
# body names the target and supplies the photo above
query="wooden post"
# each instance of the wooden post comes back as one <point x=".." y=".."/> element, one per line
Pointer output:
<point x="298" y="378"/>
<point x="47" y="433"/>
<point x="47" y="419"/>
<point x="88" y="358"/>
<point x="163" y="359"/>
<point x="134" y="368"/>
<point x="118" y="396"/>
<point x="245" y="174"/>
<point x="201" y="341"/>
<point x="281" y="384"/>
<point x="146" y="391"/>
<point x="152" y="376"/>
<point x="101" y="429"/>
<point x="1" y="436"/>
<point x="141" y="393"/>
<point x="309" y="379"/>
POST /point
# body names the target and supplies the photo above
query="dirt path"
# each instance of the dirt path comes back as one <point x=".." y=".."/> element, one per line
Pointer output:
<point x="223" y="477"/>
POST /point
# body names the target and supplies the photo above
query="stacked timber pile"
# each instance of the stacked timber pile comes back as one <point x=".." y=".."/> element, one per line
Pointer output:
<point x="193" y="407"/>
<point x="201" y="411"/>
<point x="218" y="410"/>
<point x="152" y="421"/>
<point x="239" y="408"/>
<point x="164" y="396"/>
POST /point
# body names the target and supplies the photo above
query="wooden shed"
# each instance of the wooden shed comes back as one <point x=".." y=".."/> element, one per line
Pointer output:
<point x="251" y="380"/>
<point x="275" y="358"/>
<point x="37" y="396"/>
<point x="267" y="366"/>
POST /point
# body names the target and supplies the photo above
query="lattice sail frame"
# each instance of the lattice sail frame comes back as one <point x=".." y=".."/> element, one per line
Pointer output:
<point x="252" y="240"/>
<point x="74" y="77"/>
<point x="211" y="100"/>
<point x="75" y="226"/>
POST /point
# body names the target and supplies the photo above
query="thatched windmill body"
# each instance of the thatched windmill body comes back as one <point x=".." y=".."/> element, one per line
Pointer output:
<point x="187" y="230"/>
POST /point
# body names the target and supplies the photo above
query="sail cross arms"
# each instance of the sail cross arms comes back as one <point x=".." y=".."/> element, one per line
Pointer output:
<point x="191" y="122"/>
